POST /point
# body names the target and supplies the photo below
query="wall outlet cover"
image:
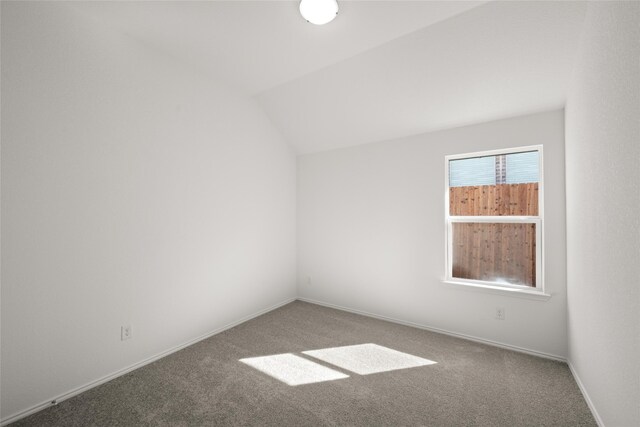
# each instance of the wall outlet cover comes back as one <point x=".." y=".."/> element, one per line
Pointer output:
<point x="125" y="332"/>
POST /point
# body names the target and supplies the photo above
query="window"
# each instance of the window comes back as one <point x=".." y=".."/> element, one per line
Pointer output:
<point x="494" y="219"/>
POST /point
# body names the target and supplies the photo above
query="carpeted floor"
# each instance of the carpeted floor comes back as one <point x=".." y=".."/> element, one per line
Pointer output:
<point x="205" y="384"/>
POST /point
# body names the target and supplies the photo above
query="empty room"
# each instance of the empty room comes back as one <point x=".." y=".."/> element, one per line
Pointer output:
<point x="320" y="213"/>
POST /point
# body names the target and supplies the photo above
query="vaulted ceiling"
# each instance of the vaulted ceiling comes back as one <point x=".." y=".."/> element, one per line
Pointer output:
<point x="380" y="70"/>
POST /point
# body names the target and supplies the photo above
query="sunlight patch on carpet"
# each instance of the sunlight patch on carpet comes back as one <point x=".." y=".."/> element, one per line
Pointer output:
<point x="293" y="370"/>
<point x="367" y="359"/>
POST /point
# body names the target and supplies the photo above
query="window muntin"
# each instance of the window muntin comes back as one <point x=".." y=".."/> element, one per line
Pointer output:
<point x="494" y="218"/>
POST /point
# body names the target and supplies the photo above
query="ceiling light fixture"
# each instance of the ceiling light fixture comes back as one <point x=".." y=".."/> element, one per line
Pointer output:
<point x="319" y="12"/>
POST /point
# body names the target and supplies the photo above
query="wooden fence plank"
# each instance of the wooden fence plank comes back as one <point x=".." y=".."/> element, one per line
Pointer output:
<point x="494" y="200"/>
<point x="495" y="251"/>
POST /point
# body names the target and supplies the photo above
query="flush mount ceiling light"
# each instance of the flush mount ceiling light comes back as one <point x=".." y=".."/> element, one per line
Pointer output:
<point x="319" y="12"/>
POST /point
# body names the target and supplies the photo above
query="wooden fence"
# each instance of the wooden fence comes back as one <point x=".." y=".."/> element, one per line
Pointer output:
<point x="494" y="251"/>
<point x="494" y="200"/>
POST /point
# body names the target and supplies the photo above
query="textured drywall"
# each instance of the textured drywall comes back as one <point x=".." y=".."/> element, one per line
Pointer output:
<point x="371" y="233"/>
<point x="603" y="201"/>
<point x="134" y="191"/>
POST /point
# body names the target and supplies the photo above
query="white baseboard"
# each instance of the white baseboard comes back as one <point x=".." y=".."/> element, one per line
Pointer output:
<point x="592" y="408"/>
<point x="438" y="330"/>
<point x="64" y="396"/>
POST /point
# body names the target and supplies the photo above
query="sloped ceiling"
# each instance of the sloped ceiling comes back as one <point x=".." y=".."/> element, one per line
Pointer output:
<point x="256" y="45"/>
<point x="380" y="70"/>
<point x="498" y="60"/>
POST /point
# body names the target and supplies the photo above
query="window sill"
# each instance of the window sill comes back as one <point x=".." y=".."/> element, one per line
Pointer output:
<point x="498" y="290"/>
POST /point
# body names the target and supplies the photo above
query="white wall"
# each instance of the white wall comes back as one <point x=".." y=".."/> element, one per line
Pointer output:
<point x="133" y="192"/>
<point x="371" y="233"/>
<point x="603" y="201"/>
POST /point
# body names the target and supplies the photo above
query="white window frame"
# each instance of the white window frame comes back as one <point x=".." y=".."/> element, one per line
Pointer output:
<point x="538" y="220"/>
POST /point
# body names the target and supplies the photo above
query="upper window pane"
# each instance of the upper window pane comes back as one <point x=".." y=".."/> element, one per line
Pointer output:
<point x="522" y="168"/>
<point x="473" y="171"/>
<point x="499" y="185"/>
<point x="514" y="168"/>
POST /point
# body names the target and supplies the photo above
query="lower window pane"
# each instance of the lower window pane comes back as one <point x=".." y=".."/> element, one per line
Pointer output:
<point x="495" y="252"/>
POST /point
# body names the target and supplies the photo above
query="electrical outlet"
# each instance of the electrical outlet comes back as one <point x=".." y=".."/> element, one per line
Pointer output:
<point x="125" y="332"/>
<point x="500" y="313"/>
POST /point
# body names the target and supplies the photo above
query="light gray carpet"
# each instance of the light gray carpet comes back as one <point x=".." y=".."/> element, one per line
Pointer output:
<point x="471" y="384"/>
